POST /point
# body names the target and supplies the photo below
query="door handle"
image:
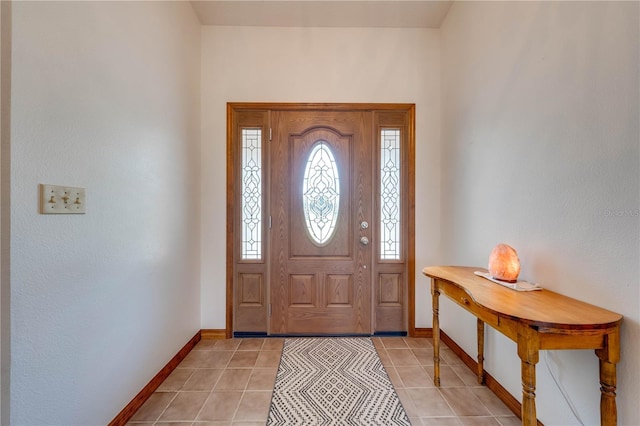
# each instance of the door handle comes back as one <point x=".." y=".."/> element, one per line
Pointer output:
<point x="364" y="241"/>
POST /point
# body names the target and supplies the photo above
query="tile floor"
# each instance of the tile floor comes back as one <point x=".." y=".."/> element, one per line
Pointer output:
<point x="229" y="382"/>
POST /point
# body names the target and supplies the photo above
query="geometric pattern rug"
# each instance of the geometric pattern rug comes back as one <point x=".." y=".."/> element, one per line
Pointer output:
<point x="333" y="381"/>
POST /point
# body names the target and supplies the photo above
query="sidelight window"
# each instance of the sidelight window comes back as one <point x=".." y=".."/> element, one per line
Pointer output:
<point x="390" y="206"/>
<point x="251" y="194"/>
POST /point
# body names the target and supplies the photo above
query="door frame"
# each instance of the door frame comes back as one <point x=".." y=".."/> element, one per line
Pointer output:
<point x="233" y="108"/>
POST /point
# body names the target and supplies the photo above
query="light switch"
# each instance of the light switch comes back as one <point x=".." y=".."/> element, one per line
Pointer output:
<point x="56" y="199"/>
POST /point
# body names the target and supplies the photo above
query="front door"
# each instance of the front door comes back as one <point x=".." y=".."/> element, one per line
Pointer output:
<point x="321" y="206"/>
<point x="320" y="219"/>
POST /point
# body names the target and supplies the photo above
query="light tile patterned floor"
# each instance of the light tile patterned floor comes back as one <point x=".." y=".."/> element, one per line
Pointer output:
<point x="229" y="382"/>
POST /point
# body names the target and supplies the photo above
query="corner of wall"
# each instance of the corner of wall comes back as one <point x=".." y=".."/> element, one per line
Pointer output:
<point x="5" y="141"/>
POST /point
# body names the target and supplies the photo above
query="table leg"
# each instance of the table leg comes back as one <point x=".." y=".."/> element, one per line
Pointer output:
<point x="608" y="357"/>
<point x="528" y="351"/>
<point x="435" y="294"/>
<point x="480" y="351"/>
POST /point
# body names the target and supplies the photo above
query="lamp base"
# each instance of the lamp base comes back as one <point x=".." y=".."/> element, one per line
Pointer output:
<point x="505" y="281"/>
<point x="517" y="286"/>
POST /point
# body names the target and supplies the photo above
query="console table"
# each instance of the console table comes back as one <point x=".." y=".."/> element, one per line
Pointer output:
<point x="535" y="320"/>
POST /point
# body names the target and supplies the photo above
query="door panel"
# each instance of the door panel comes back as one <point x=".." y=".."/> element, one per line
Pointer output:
<point x="320" y="287"/>
<point x="390" y="302"/>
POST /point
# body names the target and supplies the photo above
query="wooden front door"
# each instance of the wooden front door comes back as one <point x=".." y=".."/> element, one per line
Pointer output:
<point x="320" y="219"/>
<point x="321" y="207"/>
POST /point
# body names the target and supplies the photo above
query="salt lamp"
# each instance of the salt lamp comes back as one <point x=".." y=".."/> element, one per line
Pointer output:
<point x="504" y="264"/>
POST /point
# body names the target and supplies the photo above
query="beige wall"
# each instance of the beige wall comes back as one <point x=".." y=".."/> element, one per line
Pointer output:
<point x="5" y="115"/>
<point x="105" y="95"/>
<point x="256" y="64"/>
<point x="541" y="151"/>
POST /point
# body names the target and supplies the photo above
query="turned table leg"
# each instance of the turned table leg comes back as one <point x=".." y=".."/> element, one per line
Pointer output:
<point x="435" y="294"/>
<point x="480" y="351"/>
<point x="528" y="351"/>
<point x="608" y="357"/>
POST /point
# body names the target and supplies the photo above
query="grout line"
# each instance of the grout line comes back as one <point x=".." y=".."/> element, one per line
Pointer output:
<point x="455" y="414"/>
<point x="203" y="405"/>
<point x="165" y="408"/>
<point x="188" y="378"/>
<point x="233" y="419"/>
<point x="214" y="385"/>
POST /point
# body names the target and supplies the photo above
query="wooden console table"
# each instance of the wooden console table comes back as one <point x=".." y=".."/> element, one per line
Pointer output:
<point x="535" y="320"/>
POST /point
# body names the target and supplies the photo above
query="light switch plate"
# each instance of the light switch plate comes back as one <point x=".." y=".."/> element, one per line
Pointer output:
<point x="55" y="199"/>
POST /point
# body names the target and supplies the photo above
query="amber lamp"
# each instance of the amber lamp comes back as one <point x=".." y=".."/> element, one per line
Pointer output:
<point x="504" y="264"/>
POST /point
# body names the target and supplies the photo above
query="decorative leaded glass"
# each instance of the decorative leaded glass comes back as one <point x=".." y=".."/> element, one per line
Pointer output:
<point x="321" y="193"/>
<point x="251" y="194"/>
<point x="390" y="194"/>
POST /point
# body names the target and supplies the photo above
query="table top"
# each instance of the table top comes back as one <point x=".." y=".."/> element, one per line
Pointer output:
<point x="542" y="308"/>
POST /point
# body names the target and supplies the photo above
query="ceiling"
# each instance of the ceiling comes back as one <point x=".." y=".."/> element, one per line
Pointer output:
<point x="323" y="13"/>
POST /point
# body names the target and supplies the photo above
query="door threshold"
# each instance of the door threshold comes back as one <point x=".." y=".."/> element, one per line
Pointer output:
<point x="250" y="334"/>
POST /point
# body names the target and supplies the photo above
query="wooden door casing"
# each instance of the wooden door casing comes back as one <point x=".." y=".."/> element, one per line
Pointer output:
<point x="251" y="303"/>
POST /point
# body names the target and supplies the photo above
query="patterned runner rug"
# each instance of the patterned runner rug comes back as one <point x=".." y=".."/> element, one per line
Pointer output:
<point x="333" y="381"/>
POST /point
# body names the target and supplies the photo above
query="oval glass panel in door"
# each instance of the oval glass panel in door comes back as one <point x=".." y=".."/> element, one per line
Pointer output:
<point x="321" y="193"/>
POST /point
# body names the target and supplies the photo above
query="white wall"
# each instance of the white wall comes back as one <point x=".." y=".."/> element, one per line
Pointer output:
<point x="5" y="81"/>
<point x="541" y="151"/>
<point x="254" y="64"/>
<point x="105" y="95"/>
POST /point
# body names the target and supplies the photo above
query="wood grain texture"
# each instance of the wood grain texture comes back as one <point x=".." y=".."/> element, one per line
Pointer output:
<point x="339" y="290"/>
<point x="294" y="106"/>
<point x="302" y="290"/>
<point x="544" y="309"/>
<point x="251" y="290"/>
<point x="390" y="290"/>
<point x="231" y="218"/>
<point x="303" y="286"/>
<point x="400" y="115"/>
<point x="410" y="200"/>
<point x="242" y="316"/>
<point x="127" y="412"/>
<point x="480" y="369"/>
<point x="422" y="332"/>
<point x="213" y="334"/>
<point x="608" y="357"/>
<point x="398" y="316"/>
<point x="534" y="320"/>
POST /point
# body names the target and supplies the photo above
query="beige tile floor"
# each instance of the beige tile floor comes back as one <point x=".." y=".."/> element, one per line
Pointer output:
<point x="229" y="382"/>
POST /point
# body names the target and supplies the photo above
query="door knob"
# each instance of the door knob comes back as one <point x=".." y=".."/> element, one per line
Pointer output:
<point x="364" y="241"/>
<point x="364" y="224"/>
